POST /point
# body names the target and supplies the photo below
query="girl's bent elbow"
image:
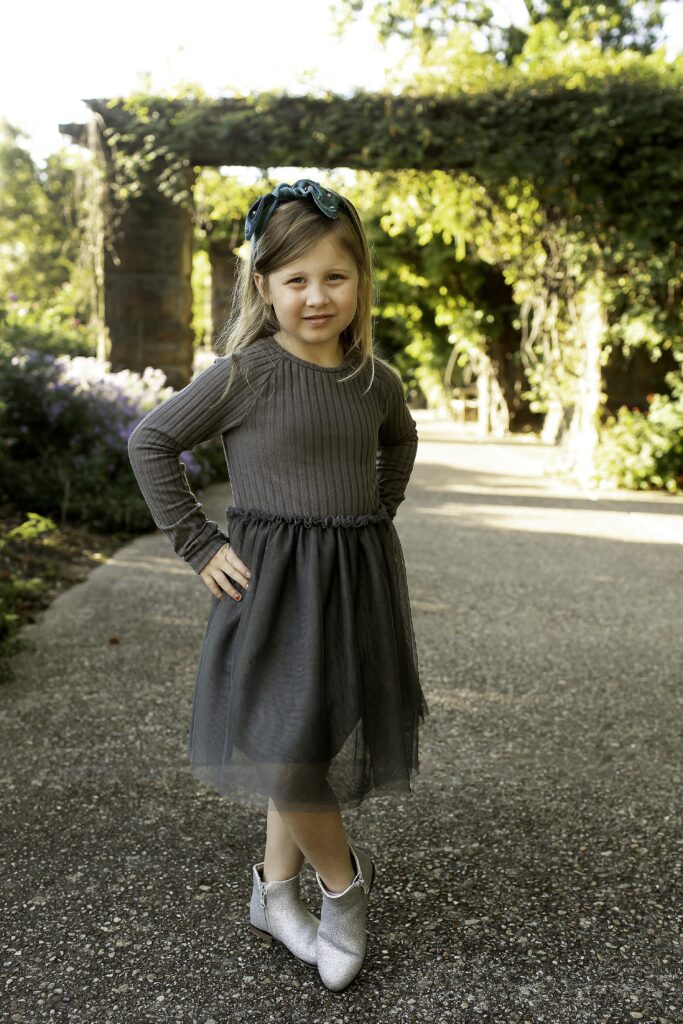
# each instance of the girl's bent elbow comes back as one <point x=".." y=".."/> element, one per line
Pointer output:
<point x="134" y="440"/>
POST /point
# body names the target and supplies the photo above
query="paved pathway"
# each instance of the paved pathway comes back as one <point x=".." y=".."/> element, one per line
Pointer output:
<point x="531" y="876"/>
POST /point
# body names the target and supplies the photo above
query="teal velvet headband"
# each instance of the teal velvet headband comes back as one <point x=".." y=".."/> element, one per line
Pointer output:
<point x="263" y="208"/>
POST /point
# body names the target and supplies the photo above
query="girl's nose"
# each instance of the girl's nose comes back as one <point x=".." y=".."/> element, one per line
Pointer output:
<point x="316" y="296"/>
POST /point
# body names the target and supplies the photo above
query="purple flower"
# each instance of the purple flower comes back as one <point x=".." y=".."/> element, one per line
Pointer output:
<point x="56" y="409"/>
<point x="190" y="462"/>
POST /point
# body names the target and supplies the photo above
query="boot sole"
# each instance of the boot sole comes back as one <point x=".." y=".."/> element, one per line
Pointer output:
<point x="270" y="939"/>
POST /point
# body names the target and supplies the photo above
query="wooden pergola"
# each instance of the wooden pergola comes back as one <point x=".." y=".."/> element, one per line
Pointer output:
<point x="491" y="135"/>
<point x="147" y="290"/>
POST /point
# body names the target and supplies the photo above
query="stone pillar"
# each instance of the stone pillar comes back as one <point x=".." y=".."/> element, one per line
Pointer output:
<point x="147" y="289"/>
<point x="593" y="328"/>
<point x="222" y="260"/>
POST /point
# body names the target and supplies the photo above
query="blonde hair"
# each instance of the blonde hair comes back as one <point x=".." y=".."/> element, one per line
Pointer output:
<point x="295" y="228"/>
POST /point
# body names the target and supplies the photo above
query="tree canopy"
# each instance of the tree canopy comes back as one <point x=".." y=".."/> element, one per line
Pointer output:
<point x="613" y="24"/>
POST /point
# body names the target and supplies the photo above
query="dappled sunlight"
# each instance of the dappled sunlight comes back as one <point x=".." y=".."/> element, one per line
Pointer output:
<point x="430" y="606"/>
<point x="511" y="486"/>
<point x="628" y="527"/>
<point x="150" y="563"/>
<point x="461" y="697"/>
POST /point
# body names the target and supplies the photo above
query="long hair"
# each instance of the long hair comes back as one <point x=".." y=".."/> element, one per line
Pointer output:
<point x="295" y="228"/>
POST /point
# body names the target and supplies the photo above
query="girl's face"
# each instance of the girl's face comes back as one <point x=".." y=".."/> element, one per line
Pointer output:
<point x="323" y="283"/>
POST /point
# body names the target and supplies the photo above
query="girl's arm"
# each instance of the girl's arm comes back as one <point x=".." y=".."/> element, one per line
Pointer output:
<point x="193" y="415"/>
<point x="397" y="446"/>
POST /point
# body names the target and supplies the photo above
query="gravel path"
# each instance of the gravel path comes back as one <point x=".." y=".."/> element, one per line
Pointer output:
<point x="533" y="875"/>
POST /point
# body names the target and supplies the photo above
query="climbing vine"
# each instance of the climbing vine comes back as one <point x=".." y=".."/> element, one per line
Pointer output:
<point x="557" y="174"/>
<point x="601" y="146"/>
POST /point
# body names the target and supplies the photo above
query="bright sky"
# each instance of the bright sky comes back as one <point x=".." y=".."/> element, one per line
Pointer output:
<point x="52" y="56"/>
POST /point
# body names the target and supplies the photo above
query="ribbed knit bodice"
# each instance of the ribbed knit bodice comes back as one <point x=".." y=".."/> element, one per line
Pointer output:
<point x="298" y="440"/>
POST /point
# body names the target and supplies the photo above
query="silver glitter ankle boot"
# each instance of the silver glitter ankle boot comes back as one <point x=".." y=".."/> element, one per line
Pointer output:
<point x="277" y="912"/>
<point x="342" y="939"/>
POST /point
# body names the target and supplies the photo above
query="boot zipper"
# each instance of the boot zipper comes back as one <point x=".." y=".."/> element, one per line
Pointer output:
<point x="359" y="880"/>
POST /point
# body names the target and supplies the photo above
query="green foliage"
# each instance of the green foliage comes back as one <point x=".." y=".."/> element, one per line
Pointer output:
<point x="525" y="182"/>
<point x="49" y="327"/>
<point x="220" y="202"/>
<point x="644" y="450"/>
<point x="18" y="586"/>
<point x="557" y="174"/>
<point x="26" y="200"/>
<point x="551" y="233"/>
<point x="44" y="285"/>
<point x="601" y="144"/>
<point x="33" y="526"/>
<point x="611" y="24"/>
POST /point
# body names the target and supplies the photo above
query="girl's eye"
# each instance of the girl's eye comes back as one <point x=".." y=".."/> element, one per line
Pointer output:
<point x="292" y="280"/>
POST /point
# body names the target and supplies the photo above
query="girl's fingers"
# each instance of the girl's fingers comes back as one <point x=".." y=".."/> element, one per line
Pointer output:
<point x="219" y="582"/>
<point x="238" y="570"/>
<point x="241" y="578"/>
<point x="210" y="583"/>
<point x="235" y="559"/>
<point x="218" y="591"/>
<point x="229" y="588"/>
<point x="244" y="569"/>
<point x="221" y="572"/>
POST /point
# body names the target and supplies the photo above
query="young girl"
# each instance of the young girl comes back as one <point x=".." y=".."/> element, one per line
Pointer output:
<point x="307" y="696"/>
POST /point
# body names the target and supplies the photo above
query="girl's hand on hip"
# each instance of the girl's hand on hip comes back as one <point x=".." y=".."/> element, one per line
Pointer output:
<point x="224" y="564"/>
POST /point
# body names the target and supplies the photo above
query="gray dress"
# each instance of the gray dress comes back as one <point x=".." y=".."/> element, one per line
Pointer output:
<point x="307" y="690"/>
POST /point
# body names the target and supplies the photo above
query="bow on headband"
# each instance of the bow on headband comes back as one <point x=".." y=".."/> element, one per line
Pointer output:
<point x="264" y="207"/>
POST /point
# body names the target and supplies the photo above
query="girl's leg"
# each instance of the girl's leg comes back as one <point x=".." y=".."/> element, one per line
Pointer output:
<point x="320" y="837"/>
<point x="283" y="858"/>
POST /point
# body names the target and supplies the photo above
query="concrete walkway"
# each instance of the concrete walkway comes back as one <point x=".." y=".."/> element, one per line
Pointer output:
<point x="532" y="875"/>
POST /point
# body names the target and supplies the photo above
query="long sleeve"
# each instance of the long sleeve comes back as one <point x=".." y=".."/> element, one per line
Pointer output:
<point x="195" y="414"/>
<point x="397" y="446"/>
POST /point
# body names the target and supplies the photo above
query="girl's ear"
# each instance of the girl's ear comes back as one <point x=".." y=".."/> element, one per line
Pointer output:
<point x="259" y="281"/>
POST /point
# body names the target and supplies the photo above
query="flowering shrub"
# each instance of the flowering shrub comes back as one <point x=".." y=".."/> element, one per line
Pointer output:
<point x="64" y="428"/>
<point x="643" y="450"/>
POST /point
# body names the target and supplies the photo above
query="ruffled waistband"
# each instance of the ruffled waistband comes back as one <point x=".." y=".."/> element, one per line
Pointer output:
<point x="362" y="519"/>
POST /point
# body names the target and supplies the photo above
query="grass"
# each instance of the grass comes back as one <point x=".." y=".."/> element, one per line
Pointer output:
<point x="37" y="563"/>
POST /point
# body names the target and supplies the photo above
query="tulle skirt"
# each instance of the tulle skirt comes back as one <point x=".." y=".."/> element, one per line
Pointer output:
<point x="307" y="689"/>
